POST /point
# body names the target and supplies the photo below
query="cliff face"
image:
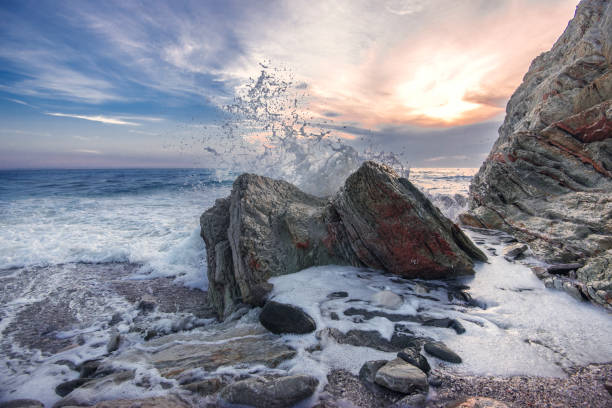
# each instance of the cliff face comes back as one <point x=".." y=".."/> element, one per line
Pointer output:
<point x="548" y="178"/>
<point x="377" y="220"/>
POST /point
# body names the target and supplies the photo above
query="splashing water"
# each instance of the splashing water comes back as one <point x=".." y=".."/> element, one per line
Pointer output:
<point x="270" y="131"/>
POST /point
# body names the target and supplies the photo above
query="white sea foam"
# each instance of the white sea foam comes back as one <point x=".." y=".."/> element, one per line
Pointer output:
<point x="525" y="329"/>
<point x="147" y="229"/>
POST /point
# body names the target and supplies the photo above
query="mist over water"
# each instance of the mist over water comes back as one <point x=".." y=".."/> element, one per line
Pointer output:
<point x="269" y="130"/>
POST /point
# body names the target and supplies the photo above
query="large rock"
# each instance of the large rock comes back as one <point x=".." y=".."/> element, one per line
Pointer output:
<point x="548" y="178"/>
<point x="269" y="227"/>
<point x="270" y="392"/>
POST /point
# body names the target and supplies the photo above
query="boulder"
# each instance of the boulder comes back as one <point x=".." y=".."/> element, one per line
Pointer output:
<point x="441" y="350"/>
<point x="377" y="220"/>
<point x="398" y="375"/>
<point x="412" y="355"/>
<point x="548" y="177"/>
<point x="281" y="318"/>
<point x="270" y="392"/>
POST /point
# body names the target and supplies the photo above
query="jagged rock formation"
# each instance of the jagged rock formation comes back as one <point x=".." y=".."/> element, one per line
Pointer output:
<point x="269" y="227"/>
<point x="548" y="178"/>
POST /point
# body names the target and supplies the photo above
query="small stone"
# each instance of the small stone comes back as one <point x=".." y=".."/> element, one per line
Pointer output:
<point x="147" y="303"/>
<point x="282" y="318"/>
<point x="259" y="294"/>
<point x="435" y="381"/>
<point x="477" y="402"/>
<point x="540" y="271"/>
<point x="413" y="356"/>
<point x="22" y="403"/>
<point x="67" y="363"/>
<point x="113" y="342"/>
<point x="368" y="370"/>
<point x="388" y="299"/>
<point x="563" y="269"/>
<point x="446" y="322"/>
<point x="397" y="375"/>
<point x="512" y="252"/>
<point x="572" y="290"/>
<point x="88" y="368"/>
<point x="411" y="401"/>
<point x="334" y="316"/>
<point x="338" y="295"/>
<point x="270" y="392"/>
<point x="67" y="387"/>
<point x="116" y="319"/>
<point x="420" y="289"/>
<point x="608" y="386"/>
<point x="440" y="350"/>
<point x="205" y="387"/>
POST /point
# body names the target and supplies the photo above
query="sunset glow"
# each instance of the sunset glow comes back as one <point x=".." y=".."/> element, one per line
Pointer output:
<point x="410" y="66"/>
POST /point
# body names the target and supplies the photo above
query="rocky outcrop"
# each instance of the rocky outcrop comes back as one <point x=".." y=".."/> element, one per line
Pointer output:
<point x="548" y="178"/>
<point x="378" y="220"/>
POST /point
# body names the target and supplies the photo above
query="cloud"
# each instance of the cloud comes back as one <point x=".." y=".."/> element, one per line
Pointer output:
<point x="87" y="151"/>
<point x="446" y="158"/>
<point x="95" y="118"/>
<point x="24" y="132"/>
<point x="404" y="7"/>
<point x="20" y="102"/>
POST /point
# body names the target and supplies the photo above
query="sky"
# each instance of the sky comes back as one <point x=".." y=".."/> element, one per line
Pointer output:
<point x="96" y="84"/>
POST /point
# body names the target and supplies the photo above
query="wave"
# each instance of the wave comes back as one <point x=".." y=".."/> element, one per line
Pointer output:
<point x="269" y="130"/>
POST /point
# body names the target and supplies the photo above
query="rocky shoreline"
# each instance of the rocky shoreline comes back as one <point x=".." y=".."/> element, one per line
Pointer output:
<point x="242" y="342"/>
<point x="370" y="297"/>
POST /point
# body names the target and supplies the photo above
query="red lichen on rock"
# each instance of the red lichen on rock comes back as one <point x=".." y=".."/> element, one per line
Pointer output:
<point x="254" y="263"/>
<point x="406" y="239"/>
<point x="497" y="157"/>
<point x="302" y="245"/>
<point x="591" y="125"/>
